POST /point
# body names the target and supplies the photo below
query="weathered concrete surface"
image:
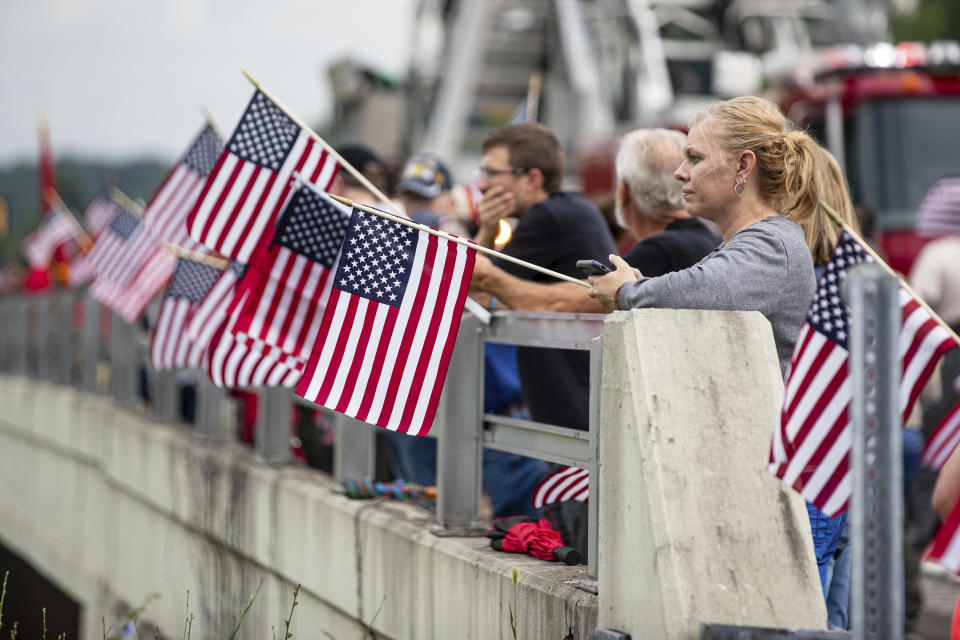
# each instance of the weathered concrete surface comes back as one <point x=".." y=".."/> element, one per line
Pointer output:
<point x="113" y="507"/>
<point x="690" y="400"/>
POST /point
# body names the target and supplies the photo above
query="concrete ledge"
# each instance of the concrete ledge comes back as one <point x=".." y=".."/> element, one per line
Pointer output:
<point x="113" y="507"/>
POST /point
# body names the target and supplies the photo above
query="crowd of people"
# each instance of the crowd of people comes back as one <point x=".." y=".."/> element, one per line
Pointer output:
<point x="728" y="216"/>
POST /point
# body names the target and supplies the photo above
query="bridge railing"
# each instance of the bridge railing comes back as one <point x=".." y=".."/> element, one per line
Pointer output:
<point x="66" y="338"/>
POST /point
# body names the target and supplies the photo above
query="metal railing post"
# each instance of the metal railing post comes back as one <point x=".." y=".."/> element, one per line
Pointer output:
<point x="41" y="316"/>
<point x="65" y="352"/>
<point x="355" y="449"/>
<point x="7" y="334"/>
<point x="210" y="399"/>
<point x="6" y="329"/>
<point x="123" y="361"/>
<point x="90" y="344"/>
<point x="877" y="590"/>
<point x="272" y="438"/>
<point x="164" y="395"/>
<point x="21" y="314"/>
<point x="596" y="359"/>
<point x="459" y="443"/>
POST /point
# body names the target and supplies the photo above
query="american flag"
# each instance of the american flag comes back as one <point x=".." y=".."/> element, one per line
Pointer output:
<point x="945" y="549"/>
<point x="215" y="307"/>
<point x="943" y="440"/>
<point x="252" y="179"/>
<point x="390" y="325"/>
<point x="98" y="215"/>
<point x="40" y="245"/>
<point x="567" y="483"/>
<point x="239" y="361"/>
<point x="812" y="442"/>
<point x="289" y="278"/>
<point x="939" y="211"/>
<point x="165" y="218"/>
<point x="171" y="348"/>
<point x="108" y="256"/>
<point x="233" y="361"/>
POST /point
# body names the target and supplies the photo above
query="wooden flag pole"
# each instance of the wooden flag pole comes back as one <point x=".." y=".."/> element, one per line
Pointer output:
<point x="213" y="125"/>
<point x="62" y="209"/>
<point x="880" y="261"/>
<point x="211" y="261"/>
<point x="125" y="201"/>
<point x="534" y="86"/>
<point x="452" y="238"/>
<point x="369" y="186"/>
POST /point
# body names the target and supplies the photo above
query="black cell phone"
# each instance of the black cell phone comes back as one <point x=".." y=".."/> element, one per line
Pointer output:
<point x="593" y="267"/>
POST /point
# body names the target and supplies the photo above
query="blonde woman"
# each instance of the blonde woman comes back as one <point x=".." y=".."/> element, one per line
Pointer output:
<point x="750" y="173"/>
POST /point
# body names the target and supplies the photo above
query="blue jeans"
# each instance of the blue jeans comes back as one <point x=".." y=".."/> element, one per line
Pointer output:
<point x="826" y="535"/>
<point x="508" y="479"/>
<point x="838" y="579"/>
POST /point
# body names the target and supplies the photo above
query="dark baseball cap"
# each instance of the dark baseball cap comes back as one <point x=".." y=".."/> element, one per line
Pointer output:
<point x="425" y="175"/>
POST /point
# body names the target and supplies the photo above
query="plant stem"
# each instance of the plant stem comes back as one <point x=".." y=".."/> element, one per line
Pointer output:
<point x="286" y="630"/>
<point x="243" y="612"/>
<point x="188" y="620"/>
<point x="374" y="618"/>
<point x="3" y="596"/>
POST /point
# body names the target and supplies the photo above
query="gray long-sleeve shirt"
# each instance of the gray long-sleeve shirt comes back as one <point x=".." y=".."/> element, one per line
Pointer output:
<point x="765" y="267"/>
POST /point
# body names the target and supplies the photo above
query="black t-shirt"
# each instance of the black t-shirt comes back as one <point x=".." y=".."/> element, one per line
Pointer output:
<point x="681" y="245"/>
<point x="555" y="233"/>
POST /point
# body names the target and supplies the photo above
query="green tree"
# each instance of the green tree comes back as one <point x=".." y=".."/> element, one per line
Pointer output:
<point x="933" y="20"/>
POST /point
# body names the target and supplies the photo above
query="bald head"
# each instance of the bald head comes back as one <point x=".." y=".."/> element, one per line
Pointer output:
<point x="645" y="164"/>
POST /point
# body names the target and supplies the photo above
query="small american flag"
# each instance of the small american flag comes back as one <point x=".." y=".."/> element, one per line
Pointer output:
<point x="945" y="549"/>
<point x="109" y="254"/>
<point x="939" y="211"/>
<point x="171" y="348"/>
<point x="251" y="180"/>
<point x="811" y="445"/>
<point x="289" y="278"/>
<point x="165" y="218"/>
<point x="166" y="215"/>
<point x="943" y="440"/>
<point x="239" y="361"/>
<point x="390" y="325"/>
<point x="98" y="215"/>
<point x="567" y="483"/>
<point x="40" y="245"/>
<point x="212" y="311"/>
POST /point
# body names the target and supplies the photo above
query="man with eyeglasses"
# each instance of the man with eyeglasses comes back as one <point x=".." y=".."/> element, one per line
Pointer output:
<point x="520" y="176"/>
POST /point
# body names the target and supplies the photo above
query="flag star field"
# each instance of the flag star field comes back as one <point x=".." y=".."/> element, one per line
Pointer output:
<point x="377" y="258"/>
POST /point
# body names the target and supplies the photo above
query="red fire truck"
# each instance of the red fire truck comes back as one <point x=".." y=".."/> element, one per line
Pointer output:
<point x="889" y="113"/>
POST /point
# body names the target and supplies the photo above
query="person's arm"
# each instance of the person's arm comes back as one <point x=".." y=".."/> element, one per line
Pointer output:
<point x="748" y="274"/>
<point x="947" y="489"/>
<point x="524" y="295"/>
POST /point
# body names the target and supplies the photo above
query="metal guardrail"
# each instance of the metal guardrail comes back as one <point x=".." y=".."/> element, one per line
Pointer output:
<point x="42" y="337"/>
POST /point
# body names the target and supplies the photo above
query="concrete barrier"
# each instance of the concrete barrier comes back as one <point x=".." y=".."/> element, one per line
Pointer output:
<point x="692" y="527"/>
<point x="113" y="507"/>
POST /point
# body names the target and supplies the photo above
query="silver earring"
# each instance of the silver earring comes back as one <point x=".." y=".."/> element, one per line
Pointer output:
<point x="739" y="188"/>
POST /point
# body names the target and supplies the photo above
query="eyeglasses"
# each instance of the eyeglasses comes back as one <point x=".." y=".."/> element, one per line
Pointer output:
<point x="490" y="174"/>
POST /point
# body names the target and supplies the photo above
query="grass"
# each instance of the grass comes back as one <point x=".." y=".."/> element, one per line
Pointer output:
<point x="131" y="625"/>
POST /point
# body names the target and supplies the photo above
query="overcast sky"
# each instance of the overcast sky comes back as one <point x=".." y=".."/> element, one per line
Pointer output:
<point x="127" y="78"/>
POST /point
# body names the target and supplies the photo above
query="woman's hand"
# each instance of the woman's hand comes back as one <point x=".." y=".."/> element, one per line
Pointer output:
<point x="605" y="288"/>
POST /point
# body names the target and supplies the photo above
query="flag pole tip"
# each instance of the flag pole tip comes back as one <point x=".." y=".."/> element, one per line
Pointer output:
<point x="345" y="201"/>
<point x="249" y="77"/>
